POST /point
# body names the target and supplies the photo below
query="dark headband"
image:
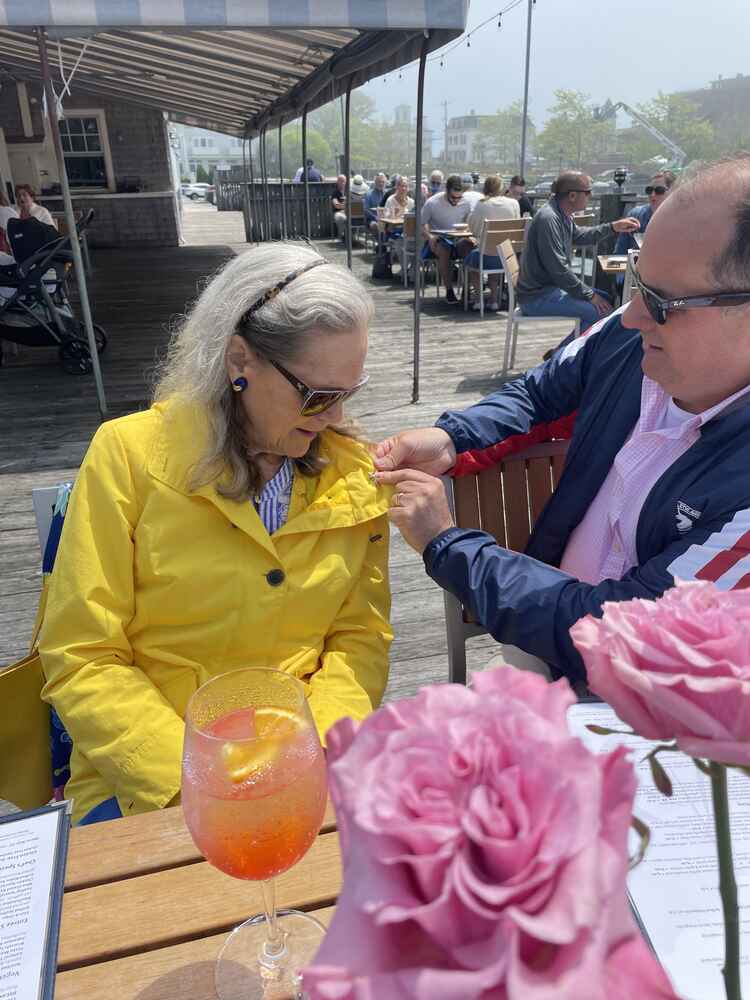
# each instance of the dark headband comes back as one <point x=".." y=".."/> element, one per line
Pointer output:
<point x="273" y="292"/>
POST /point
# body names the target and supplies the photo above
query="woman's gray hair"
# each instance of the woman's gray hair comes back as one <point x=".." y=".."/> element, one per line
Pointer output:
<point x="325" y="299"/>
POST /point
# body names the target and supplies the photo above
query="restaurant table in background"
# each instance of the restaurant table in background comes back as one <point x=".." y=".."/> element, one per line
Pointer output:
<point x="615" y="265"/>
<point x="144" y="916"/>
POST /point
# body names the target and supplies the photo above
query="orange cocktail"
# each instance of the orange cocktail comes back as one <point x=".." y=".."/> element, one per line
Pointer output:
<point x="254" y="790"/>
<point x="254" y="795"/>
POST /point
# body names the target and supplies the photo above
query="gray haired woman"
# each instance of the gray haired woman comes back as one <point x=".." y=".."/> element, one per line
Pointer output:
<point x="232" y="524"/>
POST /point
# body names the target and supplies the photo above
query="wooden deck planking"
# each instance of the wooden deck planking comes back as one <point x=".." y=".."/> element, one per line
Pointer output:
<point x="50" y="417"/>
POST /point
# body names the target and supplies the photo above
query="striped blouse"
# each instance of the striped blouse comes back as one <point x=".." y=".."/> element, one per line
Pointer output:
<point x="272" y="503"/>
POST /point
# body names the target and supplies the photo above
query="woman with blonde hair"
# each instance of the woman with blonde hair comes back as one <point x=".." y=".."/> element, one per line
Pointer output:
<point x="232" y="524"/>
<point x="493" y="207"/>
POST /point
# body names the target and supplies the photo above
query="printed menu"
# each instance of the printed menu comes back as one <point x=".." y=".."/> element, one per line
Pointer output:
<point x="33" y="852"/>
<point x="674" y="891"/>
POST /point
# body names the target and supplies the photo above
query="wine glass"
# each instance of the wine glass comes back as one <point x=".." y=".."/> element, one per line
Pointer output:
<point x="254" y="795"/>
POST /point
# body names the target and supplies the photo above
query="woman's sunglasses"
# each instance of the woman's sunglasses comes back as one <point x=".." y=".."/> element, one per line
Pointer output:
<point x="656" y="189"/>
<point x="659" y="308"/>
<point x="316" y="401"/>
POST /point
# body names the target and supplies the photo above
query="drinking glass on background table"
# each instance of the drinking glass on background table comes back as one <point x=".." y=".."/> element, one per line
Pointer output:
<point x="254" y="795"/>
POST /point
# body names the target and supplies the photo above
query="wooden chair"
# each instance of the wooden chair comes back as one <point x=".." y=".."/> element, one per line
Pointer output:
<point x="358" y="218"/>
<point x="493" y="232"/>
<point x="516" y="318"/>
<point x="505" y="501"/>
<point x="584" y="219"/>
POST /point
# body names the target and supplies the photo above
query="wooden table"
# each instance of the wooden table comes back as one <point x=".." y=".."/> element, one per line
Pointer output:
<point x="617" y="264"/>
<point x="144" y="916"/>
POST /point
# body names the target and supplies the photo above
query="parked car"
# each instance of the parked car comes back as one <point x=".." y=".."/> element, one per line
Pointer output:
<point x="197" y="191"/>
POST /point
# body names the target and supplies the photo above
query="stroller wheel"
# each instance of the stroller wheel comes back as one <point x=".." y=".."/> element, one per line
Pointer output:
<point x="75" y="357"/>
<point x="78" y="330"/>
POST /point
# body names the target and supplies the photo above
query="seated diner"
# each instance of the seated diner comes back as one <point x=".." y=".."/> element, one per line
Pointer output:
<point x="232" y="524"/>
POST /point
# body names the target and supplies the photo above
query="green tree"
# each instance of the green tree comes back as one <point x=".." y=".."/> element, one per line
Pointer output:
<point x="499" y="139"/>
<point x="571" y="134"/>
<point x="202" y="176"/>
<point x="680" y="120"/>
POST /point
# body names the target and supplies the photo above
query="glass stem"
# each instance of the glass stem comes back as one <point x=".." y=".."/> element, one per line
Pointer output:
<point x="273" y="947"/>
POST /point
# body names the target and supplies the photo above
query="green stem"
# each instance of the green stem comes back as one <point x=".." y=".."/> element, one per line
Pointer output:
<point x="727" y="883"/>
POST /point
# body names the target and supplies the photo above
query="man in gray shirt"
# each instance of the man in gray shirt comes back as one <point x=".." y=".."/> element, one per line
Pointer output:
<point x="547" y="285"/>
<point x="440" y="214"/>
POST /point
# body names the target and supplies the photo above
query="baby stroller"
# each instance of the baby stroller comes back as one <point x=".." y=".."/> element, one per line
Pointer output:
<point x="34" y="306"/>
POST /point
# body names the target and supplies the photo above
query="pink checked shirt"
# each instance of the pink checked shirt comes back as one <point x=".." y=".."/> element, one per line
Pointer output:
<point x="602" y="547"/>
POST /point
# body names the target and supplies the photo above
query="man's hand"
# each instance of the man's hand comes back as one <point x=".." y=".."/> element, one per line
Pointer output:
<point x="626" y="225"/>
<point x="428" y="449"/>
<point x="419" y="507"/>
<point x="603" y="307"/>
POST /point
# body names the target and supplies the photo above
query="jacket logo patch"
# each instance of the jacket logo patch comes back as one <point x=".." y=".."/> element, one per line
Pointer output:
<point x="686" y="516"/>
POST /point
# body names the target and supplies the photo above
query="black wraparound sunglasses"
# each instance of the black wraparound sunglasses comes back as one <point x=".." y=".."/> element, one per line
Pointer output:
<point x="656" y="189"/>
<point x="315" y="401"/>
<point x="659" y="308"/>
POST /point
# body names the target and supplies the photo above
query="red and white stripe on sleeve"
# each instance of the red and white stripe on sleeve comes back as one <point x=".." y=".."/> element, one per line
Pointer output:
<point x="723" y="559"/>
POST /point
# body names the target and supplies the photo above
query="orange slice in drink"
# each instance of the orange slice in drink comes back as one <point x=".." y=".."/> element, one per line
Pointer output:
<point x="273" y="728"/>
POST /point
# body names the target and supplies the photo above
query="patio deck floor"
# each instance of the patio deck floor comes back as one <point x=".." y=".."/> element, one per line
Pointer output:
<point x="49" y="417"/>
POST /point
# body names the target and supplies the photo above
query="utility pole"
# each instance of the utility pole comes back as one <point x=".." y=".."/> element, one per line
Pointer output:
<point x="445" y="131"/>
<point x="526" y="90"/>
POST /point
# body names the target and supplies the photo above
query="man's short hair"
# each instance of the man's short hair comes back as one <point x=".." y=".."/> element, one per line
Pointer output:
<point x="669" y="177"/>
<point x="569" y="180"/>
<point x="454" y="183"/>
<point x="729" y="176"/>
<point x="517" y="181"/>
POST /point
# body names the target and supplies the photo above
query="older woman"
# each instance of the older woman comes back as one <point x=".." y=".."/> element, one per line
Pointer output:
<point x="492" y="207"/>
<point x="234" y="523"/>
<point x="28" y="208"/>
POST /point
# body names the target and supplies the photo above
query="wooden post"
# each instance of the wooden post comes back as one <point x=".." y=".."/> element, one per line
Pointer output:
<point x="70" y="220"/>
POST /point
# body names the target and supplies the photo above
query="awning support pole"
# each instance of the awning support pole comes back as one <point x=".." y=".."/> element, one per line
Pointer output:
<point x="347" y="171"/>
<point x="245" y="192"/>
<point x="281" y="184"/>
<point x="418" y="220"/>
<point x="70" y="218"/>
<point x="264" y="182"/>
<point x="304" y="173"/>
<point x="522" y="164"/>
<point x="253" y="199"/>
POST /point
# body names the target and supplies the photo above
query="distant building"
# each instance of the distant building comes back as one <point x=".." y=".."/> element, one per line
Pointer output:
<point x="726" y="104"/>
<point x="465" y="143"/>
<point x="199" y="147"/>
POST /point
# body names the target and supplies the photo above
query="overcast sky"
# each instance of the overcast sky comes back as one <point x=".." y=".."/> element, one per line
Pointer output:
<point x="626" y="51"/>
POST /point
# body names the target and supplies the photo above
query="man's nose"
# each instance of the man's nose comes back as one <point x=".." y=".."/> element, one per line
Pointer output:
<point x="636" y="316"/>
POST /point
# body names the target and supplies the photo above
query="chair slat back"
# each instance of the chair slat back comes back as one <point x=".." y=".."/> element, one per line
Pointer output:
<point x="507" y="255"/>
<point x="584" y="219"/>
<point x="358" y="210"/>
<point x="506" y="500"/>
<point x="496" y="230"/>
<point x="410" y="227"/>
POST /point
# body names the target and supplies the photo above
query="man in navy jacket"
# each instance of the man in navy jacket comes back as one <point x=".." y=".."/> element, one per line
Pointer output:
<point x="683" y="513"/>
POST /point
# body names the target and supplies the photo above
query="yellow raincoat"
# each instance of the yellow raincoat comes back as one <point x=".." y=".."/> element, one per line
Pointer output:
<point x="157" y="588"/>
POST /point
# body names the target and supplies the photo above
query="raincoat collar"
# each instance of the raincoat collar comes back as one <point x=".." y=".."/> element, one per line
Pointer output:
<point x="342" y="495"/>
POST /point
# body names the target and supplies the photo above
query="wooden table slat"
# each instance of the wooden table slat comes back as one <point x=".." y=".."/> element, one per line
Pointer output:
<point x="170" y="907"/>
<point x="136" y="845"/>
<point x="180" y="972"/>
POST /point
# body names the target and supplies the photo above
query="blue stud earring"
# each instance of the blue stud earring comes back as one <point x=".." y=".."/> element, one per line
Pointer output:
<point x="239" y="384"/>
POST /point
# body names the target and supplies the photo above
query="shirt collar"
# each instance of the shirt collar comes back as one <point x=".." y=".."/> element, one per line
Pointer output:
<point x="654" y="399"/>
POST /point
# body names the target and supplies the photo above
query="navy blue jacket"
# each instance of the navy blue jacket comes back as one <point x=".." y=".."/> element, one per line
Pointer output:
<point x="694" y="524"/>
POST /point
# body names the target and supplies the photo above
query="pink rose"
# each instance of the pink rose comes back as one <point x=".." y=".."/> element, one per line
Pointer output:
<point x="676" y="668"/>
<point x="484" y="854"/>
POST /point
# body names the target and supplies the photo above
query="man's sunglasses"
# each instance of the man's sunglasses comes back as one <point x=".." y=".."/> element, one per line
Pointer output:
<point x="659" y="308"/>
<point x="581" y="190"/>
<point x="656" y="189"/>
<point x="316" y="401"/>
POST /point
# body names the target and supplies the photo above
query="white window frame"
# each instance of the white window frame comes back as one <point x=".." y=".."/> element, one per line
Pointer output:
<point x="101" y="121"/>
